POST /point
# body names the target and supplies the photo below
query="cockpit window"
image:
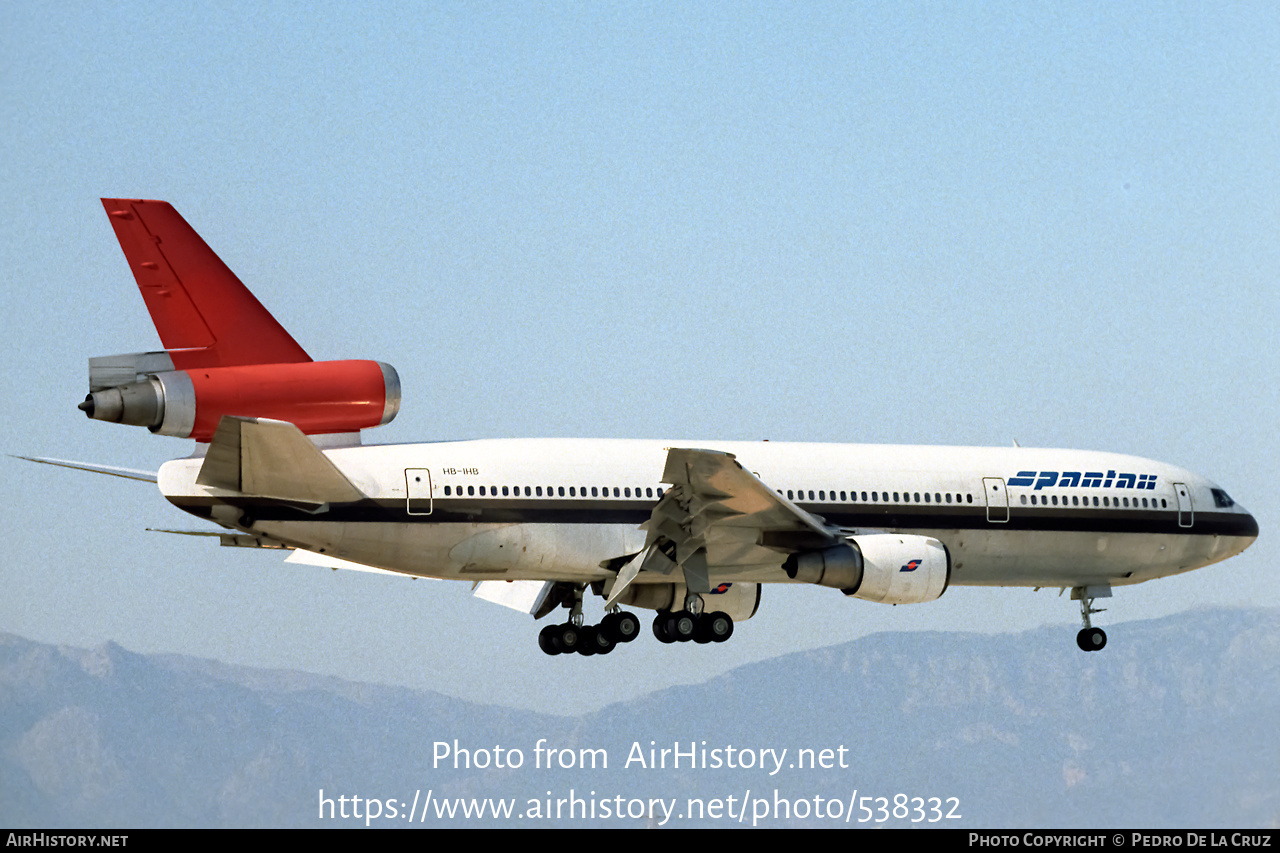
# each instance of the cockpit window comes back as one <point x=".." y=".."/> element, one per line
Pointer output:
<point x="1221" y="499"/>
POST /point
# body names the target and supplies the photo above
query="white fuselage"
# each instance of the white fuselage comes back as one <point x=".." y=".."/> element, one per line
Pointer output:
<point x="562" y="509"/>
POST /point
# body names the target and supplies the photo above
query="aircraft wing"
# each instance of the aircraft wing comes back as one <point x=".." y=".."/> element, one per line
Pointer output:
<point x="311" y="558"/>
<point x="719" y="518"/>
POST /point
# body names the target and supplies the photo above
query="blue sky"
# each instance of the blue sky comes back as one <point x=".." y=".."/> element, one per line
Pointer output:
<point x="908" y="223"/>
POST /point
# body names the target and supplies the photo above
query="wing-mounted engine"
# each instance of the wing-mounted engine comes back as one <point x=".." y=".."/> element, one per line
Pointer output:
<point x="144" y="389"/>
<point x="886" y="567"/>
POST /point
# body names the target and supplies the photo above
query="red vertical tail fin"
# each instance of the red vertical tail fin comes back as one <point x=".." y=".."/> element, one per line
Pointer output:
<point x="205" y="316"/>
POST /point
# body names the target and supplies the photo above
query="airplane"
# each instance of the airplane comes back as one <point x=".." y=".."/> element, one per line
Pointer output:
<point x="689" y="529"/>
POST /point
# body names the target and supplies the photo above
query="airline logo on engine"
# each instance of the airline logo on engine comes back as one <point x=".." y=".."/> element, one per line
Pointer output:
<point x="1088" y="480"/>
<point x="911" y="566"/>
<point x="720" y="589"/>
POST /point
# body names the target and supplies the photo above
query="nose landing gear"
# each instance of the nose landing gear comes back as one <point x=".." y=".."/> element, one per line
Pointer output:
<point x="1090" y="639"/>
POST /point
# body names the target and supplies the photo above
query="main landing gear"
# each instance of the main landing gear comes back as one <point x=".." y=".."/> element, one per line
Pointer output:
<point x="573" y="636"/>
<point x="692" y="623"/>
<point x="587" y="640"/>
<point x="682" y="626"/>
<point x="1090" y="639"/>
<point x="618" y="626"/>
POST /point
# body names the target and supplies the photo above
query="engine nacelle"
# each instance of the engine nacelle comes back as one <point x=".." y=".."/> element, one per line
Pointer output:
<point x="318" y="396"/>
<point x="889" y="568"/>
<point x="739" y="600"/>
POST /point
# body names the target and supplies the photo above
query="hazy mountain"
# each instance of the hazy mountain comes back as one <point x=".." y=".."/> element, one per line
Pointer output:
<point x="1173" y="725"/>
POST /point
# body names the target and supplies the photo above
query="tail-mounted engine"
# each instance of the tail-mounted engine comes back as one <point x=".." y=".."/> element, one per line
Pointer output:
<point x="885" y="567"/>
<point x="319" y="397"/>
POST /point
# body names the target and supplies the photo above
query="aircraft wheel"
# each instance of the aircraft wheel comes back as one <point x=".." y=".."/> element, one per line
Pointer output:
<point x="660" y="627"/>
<point x="719" y="626"/>
<point x="587" y="645"/>
<point x="600" y="641"/>
<point x="547" y="639"/>
<point x="681" y="626"/>
<point x="1091" y="639"/>
<point x="622" y="627"/>
<point x="567" y="638"/>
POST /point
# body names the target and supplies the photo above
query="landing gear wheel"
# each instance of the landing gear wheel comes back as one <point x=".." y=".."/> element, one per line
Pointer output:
<point x="621" y="627"/>
<point x="718" y="626"/>
<point x="596" y="641"/>
<point x="660" y="626"/>
<point x="1091" y="639"/>
<point x="681" y="626"/>
<point x="568" y="637"/>
<point x="587" y="641"/>
<point x="547" y="639"/>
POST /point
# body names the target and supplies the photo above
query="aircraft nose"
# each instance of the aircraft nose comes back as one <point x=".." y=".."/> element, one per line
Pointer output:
<point x="1249" y="527"/>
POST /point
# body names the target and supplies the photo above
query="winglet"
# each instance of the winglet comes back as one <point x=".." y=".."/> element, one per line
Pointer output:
<point x="205" y="315"/>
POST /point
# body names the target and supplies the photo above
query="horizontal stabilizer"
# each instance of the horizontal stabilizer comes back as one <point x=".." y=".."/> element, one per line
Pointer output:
<point x="127" y="473"/>
<point x="272" y="459"/>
